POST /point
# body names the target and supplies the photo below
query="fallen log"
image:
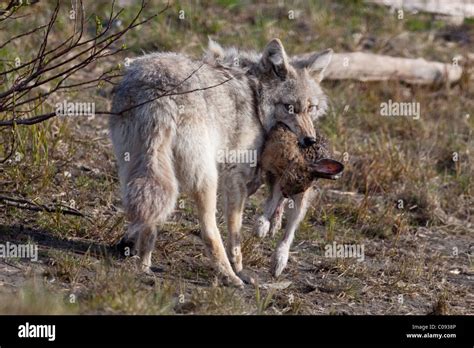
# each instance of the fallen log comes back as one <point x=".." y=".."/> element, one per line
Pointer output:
<point x="373" y="67"/>
<point x="457" y="8"/>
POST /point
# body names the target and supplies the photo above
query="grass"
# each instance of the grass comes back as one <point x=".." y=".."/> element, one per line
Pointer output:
<point x="34" y="300"/>
<point x="388" y="161"/>
<point x="263" y="302"/>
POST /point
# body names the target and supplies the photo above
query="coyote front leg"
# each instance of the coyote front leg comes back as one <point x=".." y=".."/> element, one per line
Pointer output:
<point x="235" y="195"/>
<point x="295" y="215"/>
<point x="205" y="197"/>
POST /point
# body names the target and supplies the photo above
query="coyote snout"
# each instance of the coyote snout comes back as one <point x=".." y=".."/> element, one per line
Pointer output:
<point x="298" y="121"/>
<point x="308" y="141"/>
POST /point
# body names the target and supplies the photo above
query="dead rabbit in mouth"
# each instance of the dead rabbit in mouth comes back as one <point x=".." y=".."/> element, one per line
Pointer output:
<point x="296" y="167"/>
<point x="291" y="171"/>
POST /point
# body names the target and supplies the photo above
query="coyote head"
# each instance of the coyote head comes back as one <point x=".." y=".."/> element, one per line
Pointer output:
<point x="289" y="91"/>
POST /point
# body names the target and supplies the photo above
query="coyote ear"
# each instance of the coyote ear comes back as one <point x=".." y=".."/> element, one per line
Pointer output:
<point x="315" y="63"/>
<point x="326" y="168"/>
<point x="213" y="52"/>
<point x="274" y="59"/>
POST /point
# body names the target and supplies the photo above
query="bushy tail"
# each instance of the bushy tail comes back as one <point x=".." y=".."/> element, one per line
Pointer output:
<point x="145" y="159"/>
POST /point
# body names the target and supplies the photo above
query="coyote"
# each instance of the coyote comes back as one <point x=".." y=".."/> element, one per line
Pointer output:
<point x="175" y="115"/>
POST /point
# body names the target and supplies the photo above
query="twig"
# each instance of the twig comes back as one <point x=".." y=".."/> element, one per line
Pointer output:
<point x="49" y="65"/>
<point x="30" y="205"/>
<point x="41" y="118"/>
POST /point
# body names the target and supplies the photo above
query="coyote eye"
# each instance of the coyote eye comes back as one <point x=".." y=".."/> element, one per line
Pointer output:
<point x="313" y="108"/>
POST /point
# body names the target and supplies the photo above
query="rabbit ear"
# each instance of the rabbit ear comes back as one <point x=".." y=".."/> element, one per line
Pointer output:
<point x="326" y="168"/>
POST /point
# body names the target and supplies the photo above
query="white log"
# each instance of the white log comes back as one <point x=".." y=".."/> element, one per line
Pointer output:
<point x="456" y="8"/>
<point x="373" y="67"/>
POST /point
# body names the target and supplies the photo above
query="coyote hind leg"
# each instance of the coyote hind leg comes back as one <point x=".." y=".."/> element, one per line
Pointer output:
<point x="206" y="200"/>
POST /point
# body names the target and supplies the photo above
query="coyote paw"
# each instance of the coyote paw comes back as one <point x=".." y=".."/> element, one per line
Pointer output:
<point x="147" y="270"/>
<point x="142" y="266"/>
<point x="247" y="278"/>
<point x="233" y="281"/>
<point x="263" y="226"/>
<point x="279" y="261"/>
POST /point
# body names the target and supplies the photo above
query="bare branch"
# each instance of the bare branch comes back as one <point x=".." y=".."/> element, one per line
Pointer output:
<point x="30" y="205"/>
<point x="50" y="70"/>
<point x="171" y="92"/>
<point x="22" y="35"/>
<point x="28" y="121"/>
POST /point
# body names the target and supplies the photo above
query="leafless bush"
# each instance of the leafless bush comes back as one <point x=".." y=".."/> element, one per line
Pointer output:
<point x="55" y="66"/>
